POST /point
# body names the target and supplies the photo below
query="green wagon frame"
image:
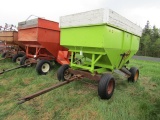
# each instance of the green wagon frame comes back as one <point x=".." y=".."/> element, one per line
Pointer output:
<point x="102" y="49"/>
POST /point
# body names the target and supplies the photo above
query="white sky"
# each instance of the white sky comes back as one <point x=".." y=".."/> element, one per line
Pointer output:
<point x="138" y="11"/>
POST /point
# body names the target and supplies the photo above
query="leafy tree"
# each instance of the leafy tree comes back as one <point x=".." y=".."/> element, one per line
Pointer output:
<point x="145" y="39"/>
<point x="150" y="41"/>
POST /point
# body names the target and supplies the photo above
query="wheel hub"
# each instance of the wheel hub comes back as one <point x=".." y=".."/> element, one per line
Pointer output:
<point x="136" y="76"/>
<point x="27" y="61"/>
<point x="110" y="87"/>
<point x="18" y="60"/>
<point x="67" y="75"/>
<point x="45" y="67"/>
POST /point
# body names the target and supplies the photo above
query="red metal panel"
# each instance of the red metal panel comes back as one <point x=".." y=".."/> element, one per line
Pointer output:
<point x="8" y="36"/>
<point x="11" y="38"/>
<point x="28" y="34"/>
<point x="62" y="57"/>
<point x="43" y="23"/>
<point x="15" y="36"/>
<point x="47" y="35"/>
<point x="49" y="39"/>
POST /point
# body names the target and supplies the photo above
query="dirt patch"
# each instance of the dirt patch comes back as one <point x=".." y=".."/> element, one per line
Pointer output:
<point x="47" y="116"/>
<point x="1" y="100"/>
<point x="21" y="115"/>
<point x="4" y="82"/>
<point x="148" y="85"/>
<point x="27" y="81"/>
<point x="78" y="114"/>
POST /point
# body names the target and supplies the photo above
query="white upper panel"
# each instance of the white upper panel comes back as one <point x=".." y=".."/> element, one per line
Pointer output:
<point x="100" y="16"/>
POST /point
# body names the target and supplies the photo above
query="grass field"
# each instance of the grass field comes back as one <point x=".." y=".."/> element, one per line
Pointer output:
<point x="79" y="100"/>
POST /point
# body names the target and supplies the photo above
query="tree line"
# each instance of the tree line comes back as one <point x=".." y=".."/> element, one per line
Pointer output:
<point x="150" y="41"/>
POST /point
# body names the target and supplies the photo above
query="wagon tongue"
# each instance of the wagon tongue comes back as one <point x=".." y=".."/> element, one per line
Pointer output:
<point x="7" y="70"/>
<point x="29" y="97"/>
<point x="1" y="72"/>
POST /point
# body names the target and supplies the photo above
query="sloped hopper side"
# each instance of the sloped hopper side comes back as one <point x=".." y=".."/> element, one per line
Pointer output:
<point x="101" y="39"/>
<point x="108" y="39"/>
<point x="40" y="32"/>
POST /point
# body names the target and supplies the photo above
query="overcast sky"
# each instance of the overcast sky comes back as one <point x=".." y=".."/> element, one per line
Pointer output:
<point x="138" y="11"/>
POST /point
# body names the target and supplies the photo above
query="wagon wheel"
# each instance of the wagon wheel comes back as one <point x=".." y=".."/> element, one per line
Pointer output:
<point x="134" y="74"/>
<point x="63" y="73"/>
<point x="1" y="51"/>
<point x="17" y="58"/>
<point x="43" y="67"/>
<point x="24" y="60"/>
<point x="106" y="86"/>
<point x="4" y="54"/>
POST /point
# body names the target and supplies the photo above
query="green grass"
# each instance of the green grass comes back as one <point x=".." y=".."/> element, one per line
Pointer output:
<point x="79" y="100"/>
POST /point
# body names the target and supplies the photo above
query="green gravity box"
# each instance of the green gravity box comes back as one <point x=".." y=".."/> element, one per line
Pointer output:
<point x="104" y="37"/>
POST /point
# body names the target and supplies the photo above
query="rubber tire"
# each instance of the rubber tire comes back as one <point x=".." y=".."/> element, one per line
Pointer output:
<point x="103" y="85"/>
<point x="4" y="55"/>
<point x="22" y="62"/>
<point x="133" y="71"/>
<point x="39" y="67"/>
<point x="60" y="72"/>
<point x="14" y="58"/>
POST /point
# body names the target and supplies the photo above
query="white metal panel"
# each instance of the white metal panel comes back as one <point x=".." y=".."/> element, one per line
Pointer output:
<point x="27" y="24"/>
<point x="84" y="18"/>
<point x="100" y="16"/>
<point x="123" y="23"/>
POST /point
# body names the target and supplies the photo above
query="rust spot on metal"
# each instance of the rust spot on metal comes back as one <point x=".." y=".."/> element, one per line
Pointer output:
<point x="7" y="70"/>
<point x="85" y="74"/>
<point x="125" y="71"/>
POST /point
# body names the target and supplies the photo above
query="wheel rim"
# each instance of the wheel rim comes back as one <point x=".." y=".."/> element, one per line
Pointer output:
<point x="136" y="76"/>
<point x="8" y="55"/>
<point x="26" y="62"/>
<point x="45" y="67"/>
<point x="110" y="86"/>
<point x="67" y="75"/>
<point x="18" y="60"/>
<point x="5" y="55"/>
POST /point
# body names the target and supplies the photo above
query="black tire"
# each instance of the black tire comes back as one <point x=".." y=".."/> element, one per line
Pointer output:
<point x="4" y="54"/>
<point x="43" y="67"/>
<point x="17" y="57"/>
<point x="61" y="72"/>
<point x="21" y="52"/>
<point x="23" y="61"/>
<point x="134" y="74"/>
<point x="106" y="86"/>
